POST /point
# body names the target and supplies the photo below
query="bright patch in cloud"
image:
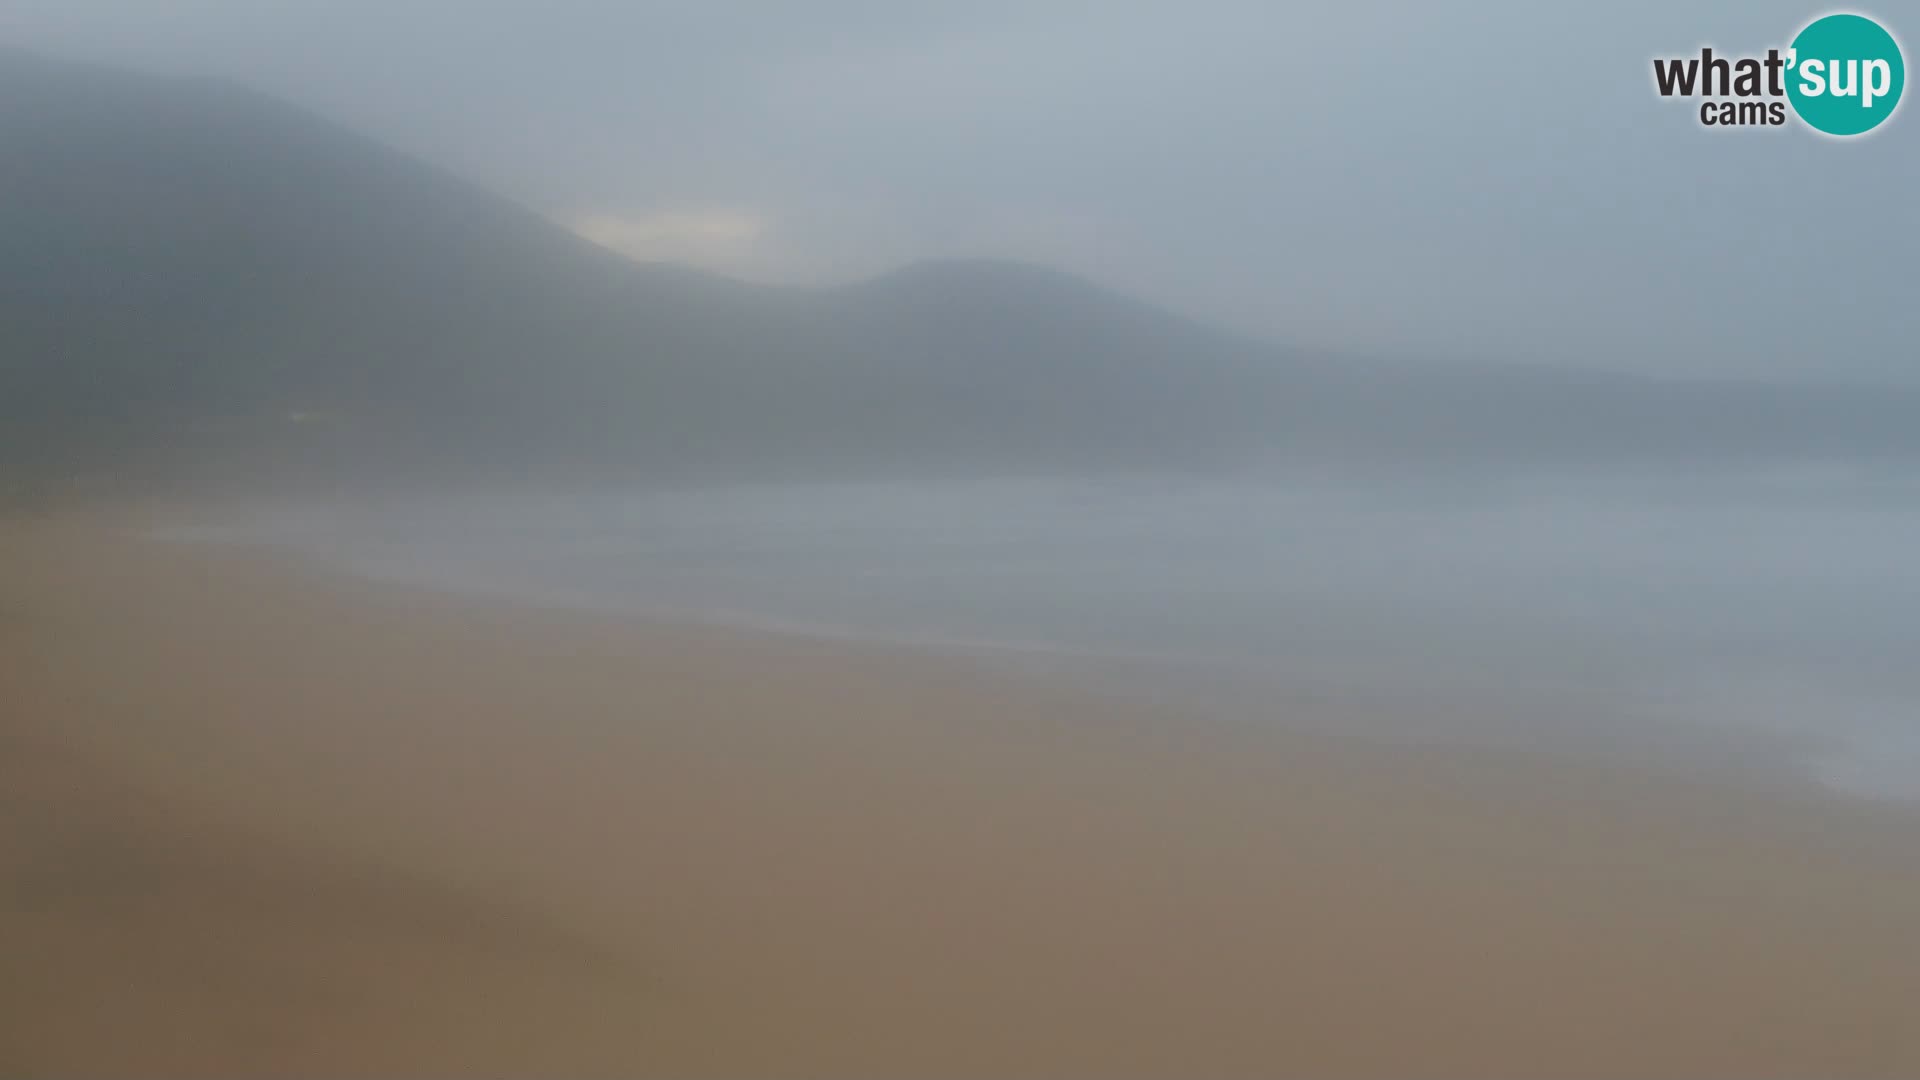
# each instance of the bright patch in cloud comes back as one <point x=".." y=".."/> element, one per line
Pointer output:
<point x="719" y="238"/>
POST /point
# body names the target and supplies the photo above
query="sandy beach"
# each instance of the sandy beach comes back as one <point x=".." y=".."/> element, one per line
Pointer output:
<point x="257" y="820"/>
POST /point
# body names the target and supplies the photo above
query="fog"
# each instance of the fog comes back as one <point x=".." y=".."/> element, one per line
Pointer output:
<point x="1380" y="177"/>
<point x="1723" y="619"/>
<point x="1034" y="538"/>
<point x="1362" y="365"/>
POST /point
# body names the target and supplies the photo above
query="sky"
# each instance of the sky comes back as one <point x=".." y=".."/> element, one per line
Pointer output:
<point x="1492" y="179"/>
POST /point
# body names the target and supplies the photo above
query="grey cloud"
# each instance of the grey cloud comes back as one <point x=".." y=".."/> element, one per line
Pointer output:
<point x="1387" y="176"/>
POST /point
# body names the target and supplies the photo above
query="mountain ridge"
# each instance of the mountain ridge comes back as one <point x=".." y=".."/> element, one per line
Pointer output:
<point x="191" y="262"/>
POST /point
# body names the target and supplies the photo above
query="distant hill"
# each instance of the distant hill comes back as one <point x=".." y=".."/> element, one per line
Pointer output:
<point x="193" y="269"/>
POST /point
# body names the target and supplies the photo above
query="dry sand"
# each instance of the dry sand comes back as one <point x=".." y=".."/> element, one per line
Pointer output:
<point x="258" y="821"/>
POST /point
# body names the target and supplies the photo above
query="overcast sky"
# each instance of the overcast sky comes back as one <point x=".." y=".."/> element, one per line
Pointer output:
<point x="1490" y="178"/>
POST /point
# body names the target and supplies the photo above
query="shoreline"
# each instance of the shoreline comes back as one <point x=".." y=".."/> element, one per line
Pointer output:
<point x="266" y="818"/>
<point x="1222" y="694"/>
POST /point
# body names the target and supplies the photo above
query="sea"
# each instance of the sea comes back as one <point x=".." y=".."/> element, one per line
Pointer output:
<point x="1715" y="613"/>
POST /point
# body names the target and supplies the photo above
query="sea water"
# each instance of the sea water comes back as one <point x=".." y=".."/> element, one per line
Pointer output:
<point x="1583" y="607"/>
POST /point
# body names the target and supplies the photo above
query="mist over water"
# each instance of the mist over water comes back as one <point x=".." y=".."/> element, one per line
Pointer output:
<point x="1601" y="608"/>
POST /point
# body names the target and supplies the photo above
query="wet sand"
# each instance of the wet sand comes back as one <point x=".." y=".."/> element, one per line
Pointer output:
<point x="256" y="820"/>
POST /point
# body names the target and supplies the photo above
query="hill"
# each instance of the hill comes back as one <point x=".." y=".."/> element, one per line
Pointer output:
<point x="194" y="270"/>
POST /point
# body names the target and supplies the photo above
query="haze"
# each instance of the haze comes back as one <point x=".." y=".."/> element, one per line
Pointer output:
<point x="1388" y="177"/>
<point x="883" y="540"/>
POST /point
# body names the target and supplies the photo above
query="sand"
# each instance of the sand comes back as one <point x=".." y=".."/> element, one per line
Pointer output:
<point x="256" y="820"/>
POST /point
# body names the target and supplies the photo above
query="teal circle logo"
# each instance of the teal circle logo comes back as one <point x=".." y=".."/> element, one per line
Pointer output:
<point x="1845" y="74"/>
